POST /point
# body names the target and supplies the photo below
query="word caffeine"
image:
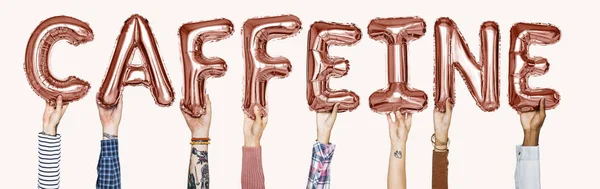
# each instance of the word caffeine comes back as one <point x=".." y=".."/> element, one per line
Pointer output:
<point x="451" y="53"/>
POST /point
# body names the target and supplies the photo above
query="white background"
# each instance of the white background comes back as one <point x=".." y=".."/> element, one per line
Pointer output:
<point x="154" y="141"/>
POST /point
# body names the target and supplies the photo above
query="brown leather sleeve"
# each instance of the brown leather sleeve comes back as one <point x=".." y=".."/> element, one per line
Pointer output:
<point x="439" y="173"/>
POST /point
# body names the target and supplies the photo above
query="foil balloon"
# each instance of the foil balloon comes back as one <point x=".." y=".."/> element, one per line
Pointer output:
<point x="197" y="68"/>
<point x="135" y="35"/>
<point x="321" y="66"/>
<point x="521" y="97"/>
<point x="396" y="33"/>
<point x="452" y="52"/>
<point x="37" y="58"/>
<point x="260" y="66"/>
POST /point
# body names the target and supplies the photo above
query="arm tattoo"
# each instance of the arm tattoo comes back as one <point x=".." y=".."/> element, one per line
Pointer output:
<point x="398" y="154"/>
<point x="109" y="136"/>
<point x="198" y="177"/>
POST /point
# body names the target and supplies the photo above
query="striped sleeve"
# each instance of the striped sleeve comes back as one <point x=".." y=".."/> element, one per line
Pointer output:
<point x="49" y="161"/>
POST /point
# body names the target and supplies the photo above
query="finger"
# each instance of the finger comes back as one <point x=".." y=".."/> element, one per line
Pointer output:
<point x="408" y="120"/>
<point x="399" y="116"/>
<point x="542" y="108"/>
<point x="448" y="106"/>
<point x="64" y="108"/>
<point x="120" y="105"/>
<point x="389" y="118"/>
<point x="59" y="103"/>
<point x="334" y="112"/>
<point x="264" y="121"/>
<point x="257" y="115"/>
<point x="208" y="104"/>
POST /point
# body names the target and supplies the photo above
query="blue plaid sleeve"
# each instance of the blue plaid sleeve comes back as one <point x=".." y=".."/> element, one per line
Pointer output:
<point x="318" y="177"/>
<point x="109" y="169"/>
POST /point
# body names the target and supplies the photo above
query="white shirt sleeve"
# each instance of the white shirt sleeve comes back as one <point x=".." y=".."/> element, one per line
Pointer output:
<point x="527" y="174"/>
<point x="49" y="161"/>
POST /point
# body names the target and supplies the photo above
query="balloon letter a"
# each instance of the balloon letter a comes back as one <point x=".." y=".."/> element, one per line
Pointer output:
<point x="136" y="35"/>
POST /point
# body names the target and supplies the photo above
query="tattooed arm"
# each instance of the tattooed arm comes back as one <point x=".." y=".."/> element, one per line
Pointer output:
<point x="399" y="129"/>
<point x="198" y="176"/>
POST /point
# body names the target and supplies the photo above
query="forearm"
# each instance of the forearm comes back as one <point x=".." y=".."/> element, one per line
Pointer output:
<point x="318" y="177"/>
<point x="439" y="171"/>
<point x="49" y="149"/>
<point x="397" y="167"/>
<point x="527" y="173"/>
<point x="109" y="168"/>
<point x="252" y="170"/>
<point x="198" y="174"/>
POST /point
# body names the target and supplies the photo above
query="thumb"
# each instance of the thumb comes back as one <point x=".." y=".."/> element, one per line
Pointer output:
<point x="542" y="108"/>
<point x="257" y="115"/>
<point x="334" y="112"/>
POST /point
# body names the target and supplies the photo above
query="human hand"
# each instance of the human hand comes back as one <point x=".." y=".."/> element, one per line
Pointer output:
<point x="200" y="126"/>
<point x="110" y="119"/>
<point x="441" y="125"/>
<point x="325" y="121"/>
<point x="532" y="122"/>
<point x="253" y="129"/>
<point x="399" y="129"/>
<point x="52" y="116"/>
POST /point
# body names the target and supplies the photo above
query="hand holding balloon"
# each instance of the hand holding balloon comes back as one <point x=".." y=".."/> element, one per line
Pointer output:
<point x="110" y="119"/>
<point x="253" y="128"/>
<point x="199" y="126"/>
<point x="325" y="121"/>
<point x="52" y="116"/>
<point x="532" y="122"/>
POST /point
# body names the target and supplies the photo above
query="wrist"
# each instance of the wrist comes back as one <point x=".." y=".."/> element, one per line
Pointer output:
<point x="531" y="138"/>
<point x="398" y="145"/>
<point x="199" y="134"/>
<point x="49" y="130"/>
<point x="251" y="142"/>
<point x="323" y="137"/>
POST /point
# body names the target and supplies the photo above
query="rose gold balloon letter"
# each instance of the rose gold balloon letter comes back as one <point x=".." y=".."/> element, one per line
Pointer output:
<point x="321" y="66"/>
<point x="260" y="66"/>
<point x="37" y="57"/>
<point x="197" y="67"/>
<point x="452" y="52"/>
<point x="396" y="33"/>
<point x="522" y="65"/>
<point x="135" y="35"/>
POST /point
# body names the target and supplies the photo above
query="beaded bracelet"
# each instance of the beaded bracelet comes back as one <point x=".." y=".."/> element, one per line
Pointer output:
<point x="199" y="143"/>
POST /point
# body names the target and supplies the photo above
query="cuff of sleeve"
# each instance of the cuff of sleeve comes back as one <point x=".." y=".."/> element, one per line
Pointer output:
<point x="49" y="137"/>
<point x="109" y="147"/>
<point x="252" y="151"/>
<point x="322" y="150"/>
<point x="528" y="152"/>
